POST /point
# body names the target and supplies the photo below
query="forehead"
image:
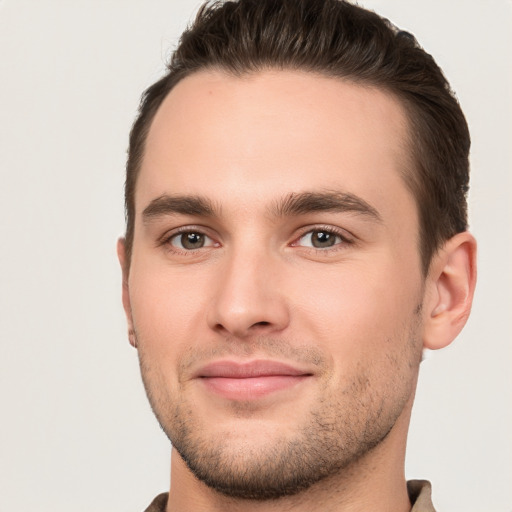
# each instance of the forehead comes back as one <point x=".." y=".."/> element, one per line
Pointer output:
<point x="231" y="138"/>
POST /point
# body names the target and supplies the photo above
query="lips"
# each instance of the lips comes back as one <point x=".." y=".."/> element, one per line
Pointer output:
<point x="246" y="381"/>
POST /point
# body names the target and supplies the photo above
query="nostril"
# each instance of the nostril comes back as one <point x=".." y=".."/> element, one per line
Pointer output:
<point x="261" y="324"/>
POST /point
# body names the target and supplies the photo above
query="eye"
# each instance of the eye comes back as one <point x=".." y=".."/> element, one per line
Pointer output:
<point x="320" y="239"/>
<point x="191" y="240"/>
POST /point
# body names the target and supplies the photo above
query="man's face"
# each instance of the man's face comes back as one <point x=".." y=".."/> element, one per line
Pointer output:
<point x="275" y="285"/>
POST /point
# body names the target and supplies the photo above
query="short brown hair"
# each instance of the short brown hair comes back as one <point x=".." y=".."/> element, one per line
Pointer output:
<point x="337" y="39"/>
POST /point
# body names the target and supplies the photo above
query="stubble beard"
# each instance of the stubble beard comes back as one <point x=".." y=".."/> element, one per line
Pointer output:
<point x="337" y="433"/>
<point x="324" y="446"/>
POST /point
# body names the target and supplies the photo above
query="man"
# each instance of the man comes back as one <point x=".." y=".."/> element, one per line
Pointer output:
<point x="296" y="235"/>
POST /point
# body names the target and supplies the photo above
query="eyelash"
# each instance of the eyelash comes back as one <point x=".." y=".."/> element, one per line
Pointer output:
<point x="166" y="240"/>
<point x="341" y="234"/>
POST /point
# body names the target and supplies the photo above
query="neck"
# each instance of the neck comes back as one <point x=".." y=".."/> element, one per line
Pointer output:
<point x="375" y="482"/>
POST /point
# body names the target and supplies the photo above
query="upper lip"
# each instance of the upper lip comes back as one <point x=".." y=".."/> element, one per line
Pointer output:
<point x="246" y="370"/>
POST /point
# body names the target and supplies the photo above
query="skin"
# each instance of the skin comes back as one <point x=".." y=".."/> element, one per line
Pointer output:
<point x="352" y="314"/>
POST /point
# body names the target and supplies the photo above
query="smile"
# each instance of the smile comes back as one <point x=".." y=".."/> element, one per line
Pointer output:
<point x="249" y="381"/>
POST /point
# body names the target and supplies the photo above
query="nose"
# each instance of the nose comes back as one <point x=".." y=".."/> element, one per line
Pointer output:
<point x="248" y="298"/>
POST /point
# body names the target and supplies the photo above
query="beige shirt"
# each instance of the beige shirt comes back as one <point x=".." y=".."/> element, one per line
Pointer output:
<point x="419" y="494"/>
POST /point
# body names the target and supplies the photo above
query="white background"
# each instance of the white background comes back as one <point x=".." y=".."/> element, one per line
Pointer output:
<point x="75" y="429"/>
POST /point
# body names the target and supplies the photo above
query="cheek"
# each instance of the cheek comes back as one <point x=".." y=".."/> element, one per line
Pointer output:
<point x="368" y="329"/>
<point x="167" y="310"/>
<point x="357" y="310"/>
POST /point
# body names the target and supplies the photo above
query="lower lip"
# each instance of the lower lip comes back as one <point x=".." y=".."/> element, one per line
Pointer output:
<point x="251" y="387"/>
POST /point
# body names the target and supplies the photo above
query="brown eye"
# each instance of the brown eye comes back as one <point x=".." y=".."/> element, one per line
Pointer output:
<point x="191" y="240"/>
<point x="320" y="239"/>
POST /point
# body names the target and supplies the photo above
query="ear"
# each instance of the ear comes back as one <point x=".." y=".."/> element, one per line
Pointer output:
<point x="121" y="254"/>
<point x="449" y="294"/>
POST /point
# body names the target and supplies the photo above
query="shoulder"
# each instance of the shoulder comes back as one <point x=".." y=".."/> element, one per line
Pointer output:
<point x="159" y="503"/>
<point x="420" y="494"/>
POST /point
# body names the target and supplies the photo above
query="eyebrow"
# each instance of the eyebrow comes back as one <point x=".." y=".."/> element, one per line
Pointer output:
<point x="330" y="201"/>
<point x="293" y="204"/>
<point x="179" y="205"/>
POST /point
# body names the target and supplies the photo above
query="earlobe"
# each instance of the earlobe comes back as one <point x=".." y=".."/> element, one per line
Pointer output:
<point x="121" y="254"/>
<point x="451" y="284"/>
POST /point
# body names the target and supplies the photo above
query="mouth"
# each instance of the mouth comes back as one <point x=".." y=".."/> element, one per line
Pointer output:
<point x="249" y="381"/>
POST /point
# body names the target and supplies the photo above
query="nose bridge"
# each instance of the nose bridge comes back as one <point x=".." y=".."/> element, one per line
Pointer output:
<point x="247" y="297"/>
